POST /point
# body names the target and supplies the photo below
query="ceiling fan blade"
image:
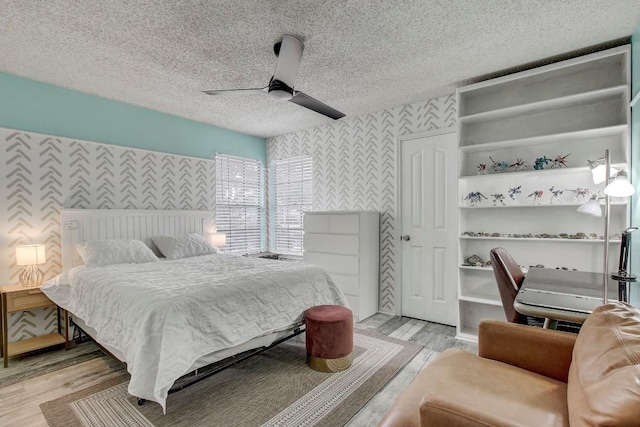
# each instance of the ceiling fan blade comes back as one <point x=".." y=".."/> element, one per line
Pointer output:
<point x="232" y="91"/>
<point x="315" y="105"/>
<point x="288" y="60"/>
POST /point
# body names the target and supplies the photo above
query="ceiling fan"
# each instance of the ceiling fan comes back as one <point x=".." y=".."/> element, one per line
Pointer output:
<point x="281" y="85"/>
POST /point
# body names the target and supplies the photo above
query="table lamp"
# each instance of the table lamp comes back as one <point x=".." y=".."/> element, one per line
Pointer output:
<point x="218" y="240"/>
<point x="618" y="185"/>
<point x="31" y="256"/>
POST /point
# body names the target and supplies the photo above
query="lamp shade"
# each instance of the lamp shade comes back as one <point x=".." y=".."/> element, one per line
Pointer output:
<point x="30" y="254"/>
<point x="592" y="207"/>
<point x="620" y="187"/>
<point x="218" y="240"/>
<point x="599" y="173"/>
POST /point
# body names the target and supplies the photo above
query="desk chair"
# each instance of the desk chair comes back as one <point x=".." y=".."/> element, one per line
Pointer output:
<point x="509" y="278"/>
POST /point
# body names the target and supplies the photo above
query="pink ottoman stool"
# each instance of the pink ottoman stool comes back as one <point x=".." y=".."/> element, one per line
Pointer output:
<point x="329" y="331"/>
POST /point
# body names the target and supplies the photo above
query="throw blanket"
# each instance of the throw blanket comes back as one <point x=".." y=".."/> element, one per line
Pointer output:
<point x="163" y="316"/>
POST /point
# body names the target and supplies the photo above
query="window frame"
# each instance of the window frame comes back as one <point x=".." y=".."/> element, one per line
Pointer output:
<point x="248" y="194"/>
<point x="291" y="197"/>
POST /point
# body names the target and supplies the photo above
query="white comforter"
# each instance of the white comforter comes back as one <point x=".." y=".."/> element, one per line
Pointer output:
<point x="163" y="316"/>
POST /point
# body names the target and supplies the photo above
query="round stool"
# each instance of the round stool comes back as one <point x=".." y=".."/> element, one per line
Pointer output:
<point x="329" y="331"/>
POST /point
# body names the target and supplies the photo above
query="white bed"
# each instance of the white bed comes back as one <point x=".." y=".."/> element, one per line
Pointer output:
<point x="167" y="318"/>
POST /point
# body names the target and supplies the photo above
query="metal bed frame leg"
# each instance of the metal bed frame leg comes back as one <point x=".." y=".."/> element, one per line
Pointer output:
<point x="229" y="362"/>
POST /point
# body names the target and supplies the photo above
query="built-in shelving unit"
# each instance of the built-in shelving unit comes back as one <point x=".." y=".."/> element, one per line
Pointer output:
<point x="574" y="110"/>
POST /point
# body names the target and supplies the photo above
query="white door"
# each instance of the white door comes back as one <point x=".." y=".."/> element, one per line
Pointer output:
<point x="429" y="227"/>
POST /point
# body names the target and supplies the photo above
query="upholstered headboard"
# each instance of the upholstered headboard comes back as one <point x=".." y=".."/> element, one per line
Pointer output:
<point x="79" y="225"/>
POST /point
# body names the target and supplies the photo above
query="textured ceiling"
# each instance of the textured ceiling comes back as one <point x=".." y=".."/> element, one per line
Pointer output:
<point x="360" y="56"/>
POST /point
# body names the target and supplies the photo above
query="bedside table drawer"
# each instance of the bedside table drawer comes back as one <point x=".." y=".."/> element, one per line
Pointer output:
<point x="27" y="299"/>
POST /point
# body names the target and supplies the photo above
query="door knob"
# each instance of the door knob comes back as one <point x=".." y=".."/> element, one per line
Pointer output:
<point x="406" y="237"/>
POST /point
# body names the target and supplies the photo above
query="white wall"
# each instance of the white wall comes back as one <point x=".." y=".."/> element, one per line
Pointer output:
<point x="354" y="168"/>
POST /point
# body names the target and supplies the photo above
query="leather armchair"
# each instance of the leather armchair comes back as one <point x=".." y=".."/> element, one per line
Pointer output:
<point x="525" y="376"/>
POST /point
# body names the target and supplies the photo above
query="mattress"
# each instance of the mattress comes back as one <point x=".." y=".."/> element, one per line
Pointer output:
<point x="162" y="318"/>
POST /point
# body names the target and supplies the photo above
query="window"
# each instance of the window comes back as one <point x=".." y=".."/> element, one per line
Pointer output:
<point x="240" y="203"/>
<point x="293" y="196"/>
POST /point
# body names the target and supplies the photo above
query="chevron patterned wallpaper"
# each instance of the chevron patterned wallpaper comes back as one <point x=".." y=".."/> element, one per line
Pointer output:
<point x="354" y="168"/>
<point x="42" y="174"/>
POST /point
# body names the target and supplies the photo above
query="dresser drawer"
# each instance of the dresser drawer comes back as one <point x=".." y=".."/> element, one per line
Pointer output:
<point x="341" y="264"/>
<point x="349" y="285"/>
<point x="331" y="243"/>
<point x="26" y="300"/>
<point x="344" y="224"/>
<point x="316" y="223"/>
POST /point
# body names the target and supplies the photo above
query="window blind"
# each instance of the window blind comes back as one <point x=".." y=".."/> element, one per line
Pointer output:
<point x="293" y="195"/>
<point x="240" y="203"/>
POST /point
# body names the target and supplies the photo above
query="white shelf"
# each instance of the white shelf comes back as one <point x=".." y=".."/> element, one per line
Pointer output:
<point x="544" y="205"/>
<point x="545" y="139"/>
<point x="471" y="267"/>
<point x="576" y="108"/>
<point x="480" y="299"/>
<point x="550" y="104"/>
<point x="538" y="239"/>
<point x="528" y="174"/>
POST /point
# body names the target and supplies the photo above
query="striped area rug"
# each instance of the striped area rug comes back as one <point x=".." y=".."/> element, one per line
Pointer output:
<point x="274" y="388"/>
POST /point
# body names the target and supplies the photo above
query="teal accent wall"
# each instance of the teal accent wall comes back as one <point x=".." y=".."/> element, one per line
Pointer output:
<point x="635" y="164"/>
<point x="38" y="107"/>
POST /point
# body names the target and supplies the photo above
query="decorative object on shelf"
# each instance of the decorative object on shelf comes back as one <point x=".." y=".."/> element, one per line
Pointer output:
<point x="475" y="197"/>
<point x="560" y="161"/>
<point x="576" y="236"/>
<point x="513" y="192"/>
<point x="474" y="261"/>
<point x="583" y="193"/>
<point x="498" y="166"/>
<point x="541" y="162"/>
<point x="537" y="196"/>
<point x="498" y="197"/>
<point x="30" y="256"/>
<point x="618" y="185"/>
<point x="482" y="169"/>
<point x="555" y="194"/>
<point x="519" y="164"/>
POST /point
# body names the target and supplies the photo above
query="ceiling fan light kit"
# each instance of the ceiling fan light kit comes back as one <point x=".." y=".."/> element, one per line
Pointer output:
<point x="281" y="87"/>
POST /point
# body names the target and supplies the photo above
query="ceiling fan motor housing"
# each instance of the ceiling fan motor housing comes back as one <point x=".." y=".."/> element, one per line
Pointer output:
<point x="280" y="90"/>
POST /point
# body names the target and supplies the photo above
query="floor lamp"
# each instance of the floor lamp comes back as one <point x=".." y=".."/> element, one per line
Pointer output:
<point x="618" y="185"/>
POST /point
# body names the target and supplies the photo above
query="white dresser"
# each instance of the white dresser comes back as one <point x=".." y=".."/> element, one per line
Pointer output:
<point x="346" y="245"/>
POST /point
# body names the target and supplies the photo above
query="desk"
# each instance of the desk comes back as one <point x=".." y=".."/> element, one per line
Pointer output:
<point x="562" y="294"/>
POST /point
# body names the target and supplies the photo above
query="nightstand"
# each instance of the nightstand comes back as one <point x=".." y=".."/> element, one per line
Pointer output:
<point x="264" y="255"/>
<point x="16" y="298"/>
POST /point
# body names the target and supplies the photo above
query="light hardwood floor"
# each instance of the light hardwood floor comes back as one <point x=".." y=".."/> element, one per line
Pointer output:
<point x="32" y="380"/>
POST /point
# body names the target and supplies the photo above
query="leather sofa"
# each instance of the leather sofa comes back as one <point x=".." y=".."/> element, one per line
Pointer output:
<point x="527" y="376"/>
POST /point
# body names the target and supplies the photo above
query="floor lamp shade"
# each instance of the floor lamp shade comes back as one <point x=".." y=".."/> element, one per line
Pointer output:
<point x="30" y="256"/>
<point x="592" y="207"/>
<point x="620" y="186"/>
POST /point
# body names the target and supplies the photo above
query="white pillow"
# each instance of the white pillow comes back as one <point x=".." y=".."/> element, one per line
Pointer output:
<point x="183" y="245"/>
<point x="98" y="253"/>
